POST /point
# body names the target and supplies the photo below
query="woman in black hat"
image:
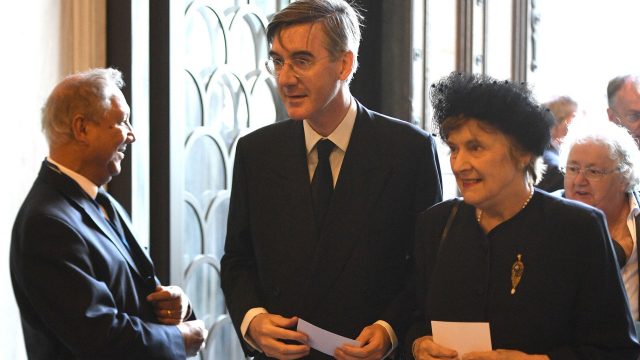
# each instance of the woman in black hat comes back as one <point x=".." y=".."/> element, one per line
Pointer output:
<point x="539" y="269"/>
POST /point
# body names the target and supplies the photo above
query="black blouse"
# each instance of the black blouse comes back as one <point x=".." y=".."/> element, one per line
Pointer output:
<point x="570" y="302"/>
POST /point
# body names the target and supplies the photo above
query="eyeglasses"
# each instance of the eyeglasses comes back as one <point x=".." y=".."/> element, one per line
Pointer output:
<point x="300" y="66"/>
<point x="591" y="173"/>
<point x="632" y="118"/>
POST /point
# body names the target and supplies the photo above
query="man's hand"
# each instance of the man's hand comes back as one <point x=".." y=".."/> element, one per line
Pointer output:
<point x="268" y="332"/>
<point x="425" y="349"/>
<point x="376" y="343"/>
<point x="194" y="335"/>
<point x="170" y="304"/>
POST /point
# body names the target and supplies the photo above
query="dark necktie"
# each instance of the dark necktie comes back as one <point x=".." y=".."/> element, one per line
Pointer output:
<point x="322" y="183"/>
<point x="113" y="219"/>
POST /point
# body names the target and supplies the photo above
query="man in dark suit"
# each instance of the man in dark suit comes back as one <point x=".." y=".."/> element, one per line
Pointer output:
<point x="334" y="255"/>
<point x="84" y="286"/>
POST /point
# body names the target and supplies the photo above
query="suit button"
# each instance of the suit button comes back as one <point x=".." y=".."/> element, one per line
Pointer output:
<point x="480" y="291"/>
<point x="276" y="292"/>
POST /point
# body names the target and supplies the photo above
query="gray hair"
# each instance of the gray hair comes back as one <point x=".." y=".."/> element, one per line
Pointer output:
<point x="87" y="94"/>
<point x="561" y="107"/>
<point x="616" y="83"/>
<point x="340" y="21"/>
<point x="617" y="140"/>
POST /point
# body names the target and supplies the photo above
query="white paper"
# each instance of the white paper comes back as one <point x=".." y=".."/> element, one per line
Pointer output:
<point x="462" y="337"/>
<point x="323" y="340"/>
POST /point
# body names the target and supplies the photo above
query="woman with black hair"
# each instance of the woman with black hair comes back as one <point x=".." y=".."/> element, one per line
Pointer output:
<point x="539" y="269"/>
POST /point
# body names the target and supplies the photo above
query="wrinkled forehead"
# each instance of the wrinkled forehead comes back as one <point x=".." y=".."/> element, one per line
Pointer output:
<point x="117" y="99"/>
<point x="300" y="37"/>
<point x="592" y="152"/>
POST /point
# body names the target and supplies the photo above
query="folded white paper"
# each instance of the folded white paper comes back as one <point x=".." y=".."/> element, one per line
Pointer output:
<point x="323" y="340"/>
<point x="462" y="337"/>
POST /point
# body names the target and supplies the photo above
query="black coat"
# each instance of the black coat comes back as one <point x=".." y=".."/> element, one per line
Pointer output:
<point x="354" y="274"/>
<point x="570" y="303"/>
<point x="81" y="294"/>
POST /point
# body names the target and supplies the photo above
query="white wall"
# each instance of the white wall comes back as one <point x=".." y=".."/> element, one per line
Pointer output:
<point x="30" y="63"/>
<point x="581" y="46"/>
<point x="38" y="49"/>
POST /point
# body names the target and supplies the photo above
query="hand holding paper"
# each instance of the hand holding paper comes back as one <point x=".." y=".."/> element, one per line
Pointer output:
<point x="323" y="340"/>
<point x="425" y="348"/>
<point x="375" y="344"/>
<point x="268" y="332"/>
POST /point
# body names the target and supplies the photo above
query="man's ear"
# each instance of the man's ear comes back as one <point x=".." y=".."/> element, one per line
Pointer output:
<point x="612" y="116"/>
<point x="79" y="128"/>
<point x="346" y="65"/>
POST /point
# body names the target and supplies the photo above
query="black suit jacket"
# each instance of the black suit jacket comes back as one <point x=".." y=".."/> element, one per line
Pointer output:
<point x="619" y="251"/>
<point x="354" y="273"/>
<point x="81" y="294"/>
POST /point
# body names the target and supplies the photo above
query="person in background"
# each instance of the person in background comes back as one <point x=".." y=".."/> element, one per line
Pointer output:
<point x="623" y="95"/>
<point x="602" y="164"/>
<point x="323" y="205"/>
<point x="84" y="286"/>
<point x="539" y="269"/>
<point x="564" y="110"/>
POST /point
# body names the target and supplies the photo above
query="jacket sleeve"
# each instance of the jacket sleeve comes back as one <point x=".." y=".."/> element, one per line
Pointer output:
<point x="239" y="278"/>
<point x="428" y="192"/>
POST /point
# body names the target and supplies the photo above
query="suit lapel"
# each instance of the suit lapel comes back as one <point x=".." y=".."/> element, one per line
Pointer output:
<point x="142" y="261"/>
<point x="292" y="172"/>
<point x="81" y="201"/>
<point x="363" y="175"/>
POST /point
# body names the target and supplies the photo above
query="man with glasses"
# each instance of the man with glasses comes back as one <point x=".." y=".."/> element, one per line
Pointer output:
<point x="323" y="205"/>
<point x="623" y="94"/>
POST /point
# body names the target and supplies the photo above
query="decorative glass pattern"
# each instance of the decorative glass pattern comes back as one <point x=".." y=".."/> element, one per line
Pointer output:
<point x="227" y="94"/>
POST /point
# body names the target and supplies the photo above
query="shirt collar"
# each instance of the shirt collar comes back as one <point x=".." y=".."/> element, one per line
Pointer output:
<point x="340" y="136"/>
<point x="87" y="185"/>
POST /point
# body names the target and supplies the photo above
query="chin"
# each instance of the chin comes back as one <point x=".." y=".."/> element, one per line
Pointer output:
<point x="295" y="115"/>
<point x="114" y="169"/>
<point x="297" y="112"/>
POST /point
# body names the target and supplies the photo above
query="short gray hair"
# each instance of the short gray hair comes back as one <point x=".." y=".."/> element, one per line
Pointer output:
<point x="616" y="83"/>
<point x="561" y="107"/>
<point x="86" y="93"/>
<point x="618" y="141"/>
<point x="340" y="21"/>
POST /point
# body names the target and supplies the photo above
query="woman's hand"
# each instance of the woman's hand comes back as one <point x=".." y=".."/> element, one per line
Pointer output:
<point x="425" y="349"/>
<point x="502" y="355"/>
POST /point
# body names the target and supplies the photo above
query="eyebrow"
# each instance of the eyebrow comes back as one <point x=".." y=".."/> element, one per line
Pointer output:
<point x="294" y="54"/>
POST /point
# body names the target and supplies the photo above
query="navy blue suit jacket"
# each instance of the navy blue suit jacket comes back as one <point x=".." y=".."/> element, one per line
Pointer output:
<point x="81" y="294"/>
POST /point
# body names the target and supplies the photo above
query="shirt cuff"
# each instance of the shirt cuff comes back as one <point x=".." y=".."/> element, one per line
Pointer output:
<point x="244" y="326"/>
<point x="392" y="336"/>
<point x="189" y="311"/>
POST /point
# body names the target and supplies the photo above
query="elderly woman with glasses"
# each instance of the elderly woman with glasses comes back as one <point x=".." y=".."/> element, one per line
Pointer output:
<point x="539" y="269"/>
<point x="603" y="170"/>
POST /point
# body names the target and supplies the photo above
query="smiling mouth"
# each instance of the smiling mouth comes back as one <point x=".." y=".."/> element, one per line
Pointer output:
<point x="468" y="182"/>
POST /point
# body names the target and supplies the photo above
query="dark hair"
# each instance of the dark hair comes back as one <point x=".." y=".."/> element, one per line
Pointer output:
<point x="504" y="105"/>
<point x="340" y="21"/>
